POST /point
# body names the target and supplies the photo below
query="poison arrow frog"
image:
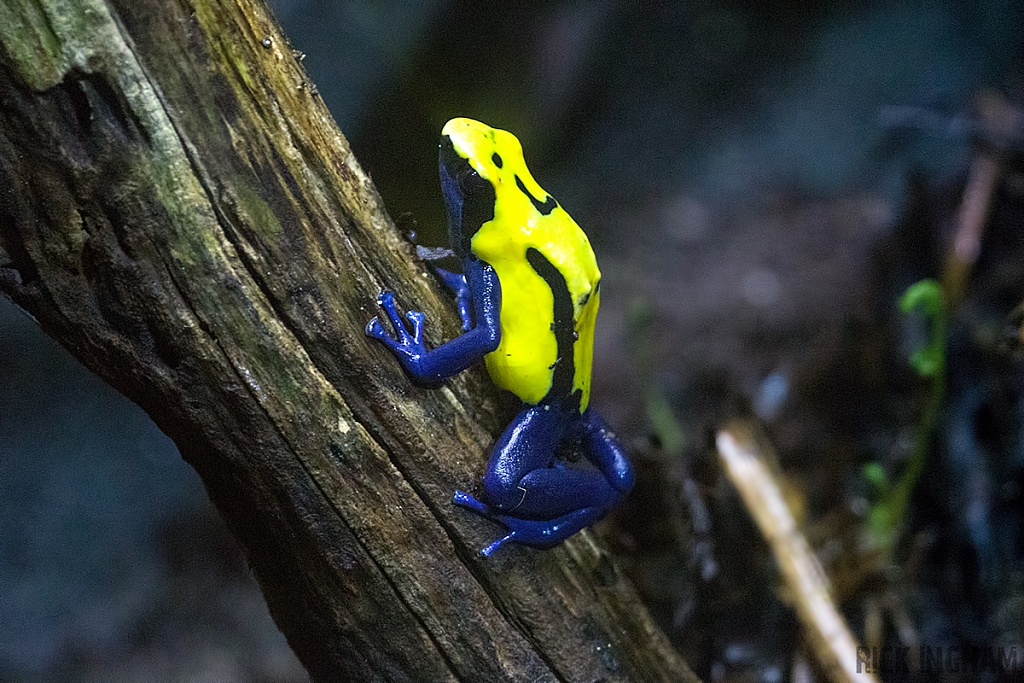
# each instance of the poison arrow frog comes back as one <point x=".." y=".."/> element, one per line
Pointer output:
<point x="528" y="299"/>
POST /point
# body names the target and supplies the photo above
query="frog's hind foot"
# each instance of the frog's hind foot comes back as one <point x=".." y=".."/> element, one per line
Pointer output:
<point x="468" y="501"/>
<point x="531" y="532"/>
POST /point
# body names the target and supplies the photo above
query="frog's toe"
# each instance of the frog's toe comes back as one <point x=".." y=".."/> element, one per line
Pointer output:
<point x="386" y="300"/>
<point x="467" y="501"/>
<point x="375" y="329"/>
<point x="416" y="318"/>
<point x="486" y="552"/>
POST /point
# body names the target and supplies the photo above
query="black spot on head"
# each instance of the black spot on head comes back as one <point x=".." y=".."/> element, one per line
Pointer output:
<point x="545" y="207"/>
<point x="496" y="158"/>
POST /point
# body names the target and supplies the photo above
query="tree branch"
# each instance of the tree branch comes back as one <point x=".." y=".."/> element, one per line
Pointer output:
<point x="178" y="209"/>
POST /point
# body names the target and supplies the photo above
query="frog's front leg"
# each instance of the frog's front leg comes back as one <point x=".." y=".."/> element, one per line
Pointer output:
<point x="431" y="366"/>
<point x="463" y="297"/>
<point x="542" y="501"/>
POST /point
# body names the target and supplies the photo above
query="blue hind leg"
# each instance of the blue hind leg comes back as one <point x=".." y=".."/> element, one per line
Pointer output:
<point x="532" y="532"/>
<point x="543" y="501"/>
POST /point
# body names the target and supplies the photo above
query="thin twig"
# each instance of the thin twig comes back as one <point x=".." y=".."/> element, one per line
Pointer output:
<point x="1001" y="131"/>
<point x="830" y="638"/>
<point x="986" y="170"/>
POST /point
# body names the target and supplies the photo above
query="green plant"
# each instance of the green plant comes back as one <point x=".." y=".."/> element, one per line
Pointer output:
<point x="886" y="515"/>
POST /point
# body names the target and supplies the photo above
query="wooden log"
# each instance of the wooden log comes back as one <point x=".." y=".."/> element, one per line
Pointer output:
<point x="179" y="210"/>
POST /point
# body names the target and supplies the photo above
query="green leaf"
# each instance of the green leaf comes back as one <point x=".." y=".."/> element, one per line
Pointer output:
<point x="875" y="474"/>
<point x="925" y="297"/>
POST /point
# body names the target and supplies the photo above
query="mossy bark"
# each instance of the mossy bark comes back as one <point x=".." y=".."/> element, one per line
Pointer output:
<point x="178" y="209"/>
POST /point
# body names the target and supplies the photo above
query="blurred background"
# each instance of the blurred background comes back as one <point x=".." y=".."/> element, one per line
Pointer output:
<point x="760" y="183"/>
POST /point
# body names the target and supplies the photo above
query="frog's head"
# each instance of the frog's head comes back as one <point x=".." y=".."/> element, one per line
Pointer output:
<point x="468" y="178"/>
<point x="483" y="173"/>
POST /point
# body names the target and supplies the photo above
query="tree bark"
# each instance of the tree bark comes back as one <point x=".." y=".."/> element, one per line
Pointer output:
<point x="178" y="209"/>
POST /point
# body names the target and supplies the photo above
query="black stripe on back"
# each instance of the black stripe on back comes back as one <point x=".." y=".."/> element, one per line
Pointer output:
<point x="545" y="207"/>
<point x="563" y="324"/>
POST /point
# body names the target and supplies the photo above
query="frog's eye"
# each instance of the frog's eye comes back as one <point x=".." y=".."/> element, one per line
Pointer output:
<point x="469" y="180"/>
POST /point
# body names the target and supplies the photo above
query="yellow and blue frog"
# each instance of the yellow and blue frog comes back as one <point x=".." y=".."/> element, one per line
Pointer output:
<point x="528" y="299"/>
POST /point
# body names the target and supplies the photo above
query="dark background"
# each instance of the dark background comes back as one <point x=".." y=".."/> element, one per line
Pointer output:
<point x="737" y="168"/>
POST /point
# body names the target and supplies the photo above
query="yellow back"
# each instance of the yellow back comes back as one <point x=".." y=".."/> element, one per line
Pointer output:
<point x="526" y="217"/>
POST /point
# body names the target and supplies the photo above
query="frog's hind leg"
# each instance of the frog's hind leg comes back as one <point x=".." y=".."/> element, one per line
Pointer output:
<point x="604" y="450"/>
<point x="552" y="492"/>
<point x="527" y="443"/>
<point x="541" y="501"/>
<point x="523" y="478"/>
<point x="544" y="534"/>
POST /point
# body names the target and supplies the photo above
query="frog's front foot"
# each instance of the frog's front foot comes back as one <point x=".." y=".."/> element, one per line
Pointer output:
<point x="532" y="532"/>
<point x="407" y="347"/>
